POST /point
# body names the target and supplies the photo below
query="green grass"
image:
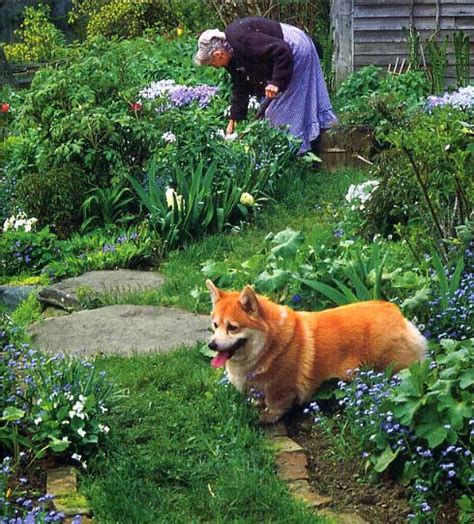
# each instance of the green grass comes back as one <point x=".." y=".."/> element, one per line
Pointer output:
<point x="308" y="201"/>
<point x="184" y="448"/>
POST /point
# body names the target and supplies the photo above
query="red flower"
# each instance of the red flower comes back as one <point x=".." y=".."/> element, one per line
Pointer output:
<point x="5" y="108"/>
<point x="135" y="106"/>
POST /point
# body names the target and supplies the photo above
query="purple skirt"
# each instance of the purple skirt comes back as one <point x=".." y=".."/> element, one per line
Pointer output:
<point x="304" y="107"/>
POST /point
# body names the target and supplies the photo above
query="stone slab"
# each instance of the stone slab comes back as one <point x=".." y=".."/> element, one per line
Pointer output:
<point x="61" y="481"/>
<point x="303" y="490"/>
<point x="12" y="296"/>
<point x="121" y="330"/>
<point x="282" y="443"/>
<point x="292" y="465"/>
<point x="64" y="294"/>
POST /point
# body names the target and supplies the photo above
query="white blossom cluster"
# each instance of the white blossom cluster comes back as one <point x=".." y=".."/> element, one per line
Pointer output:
<point x="359" y="195"/>
<point x="19" y="221"/>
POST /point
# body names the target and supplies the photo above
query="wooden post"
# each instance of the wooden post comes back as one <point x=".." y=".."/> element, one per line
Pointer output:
<point x="342" y="26"/>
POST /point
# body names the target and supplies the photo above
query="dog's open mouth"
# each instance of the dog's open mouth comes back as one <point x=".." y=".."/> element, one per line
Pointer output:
<point x="223" y="356"/>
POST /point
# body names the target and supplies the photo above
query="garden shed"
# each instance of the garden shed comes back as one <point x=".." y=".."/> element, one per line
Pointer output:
<point x="377" y="31"/>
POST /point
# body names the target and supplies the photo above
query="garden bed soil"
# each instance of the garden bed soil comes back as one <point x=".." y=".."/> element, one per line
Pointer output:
<point x="342" y="479"/>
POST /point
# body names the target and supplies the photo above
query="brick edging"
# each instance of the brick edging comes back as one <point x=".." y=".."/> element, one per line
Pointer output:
<point x="292" y="468"/>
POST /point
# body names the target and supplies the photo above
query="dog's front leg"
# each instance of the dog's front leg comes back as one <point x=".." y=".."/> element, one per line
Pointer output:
<point x="278" y="403"/>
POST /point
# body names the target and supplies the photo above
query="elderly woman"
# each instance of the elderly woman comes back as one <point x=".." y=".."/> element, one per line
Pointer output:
<point x="278" y="61"/>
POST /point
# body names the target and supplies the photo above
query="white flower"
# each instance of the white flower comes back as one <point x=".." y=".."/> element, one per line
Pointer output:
<point x="254" y="103"/>
<point x="82" y="398"/>
<point x="78" y="406"/>
<point x="105" y="429"/>
<point x="230" y="136"/>
<point x="247" y="199"/>
<point x="76" y="456"/>
<point x="19" y="221"/>
<point x="38" y="420"/>
<point x="361" y="192"/>
<point x="103" y="409"/>
<point x="169" y="137"/>
<point x="171" y="197"/>
<point x="81" y="432"/>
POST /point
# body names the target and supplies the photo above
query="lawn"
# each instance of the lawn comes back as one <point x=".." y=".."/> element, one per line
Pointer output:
<point x="184" y="447"/>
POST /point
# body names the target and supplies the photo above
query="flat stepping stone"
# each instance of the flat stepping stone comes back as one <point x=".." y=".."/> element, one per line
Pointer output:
<point x="120" y="330"/>
<point x="64" y="294"/>
<point x="12" y="296"/>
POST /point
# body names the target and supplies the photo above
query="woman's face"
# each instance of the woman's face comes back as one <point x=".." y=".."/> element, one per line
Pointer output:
<point x="220" y="58"/>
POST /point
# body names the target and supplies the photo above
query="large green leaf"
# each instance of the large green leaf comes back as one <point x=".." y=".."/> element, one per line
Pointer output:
<point x="12" y="414"/>
<point x="274" y="281"/>
<point x="385" y="459"/>
<point x="333" y="294"/>
<point x="288" y="242"/>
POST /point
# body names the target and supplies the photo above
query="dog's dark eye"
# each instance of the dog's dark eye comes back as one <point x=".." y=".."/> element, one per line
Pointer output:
<point x="231" y="327"/>
<point x="214" y="325"/>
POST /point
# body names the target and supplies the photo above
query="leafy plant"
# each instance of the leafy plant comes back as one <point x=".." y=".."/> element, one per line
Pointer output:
<point x="199" y="202"/>
<point x="27" y="251"/>
<point x="40" y="39"/>
<point x="107" y="207"/>
<point x="461" y="53"/>
<point x="53" y="403"/>
<point x="98" y="250"/>
<point x="54" y="197"/>
<point x="437" y="53"/>
<point x="364" y="275"/>
<point x="129" y="19"/>
<point x="425" y="176"/>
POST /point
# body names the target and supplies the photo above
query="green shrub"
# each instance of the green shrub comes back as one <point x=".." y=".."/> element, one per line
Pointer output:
<point x="431" y="411"/>
<point x="370" y="96"/>
<point x="129" y="18"/>
<point x="40" y="40"/>
<point x="416" y="425"/>
<point x="54" y="197"/>
<point x="26" y="251"/>
<point x="426" y="177"/>
<point x="109" y="249"/>
<point x="54" y="404"/>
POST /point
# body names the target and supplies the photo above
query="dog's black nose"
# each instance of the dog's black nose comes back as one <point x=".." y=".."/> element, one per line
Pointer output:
<point x="212" y="345"/>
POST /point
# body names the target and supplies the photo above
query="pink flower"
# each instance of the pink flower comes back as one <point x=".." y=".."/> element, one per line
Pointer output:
<point x="5" y="108"/>
<point x="135" y="106"/>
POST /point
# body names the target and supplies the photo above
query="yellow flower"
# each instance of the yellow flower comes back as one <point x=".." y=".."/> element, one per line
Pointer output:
<point x="247" y="199"/>
<point x="179" y="31"/>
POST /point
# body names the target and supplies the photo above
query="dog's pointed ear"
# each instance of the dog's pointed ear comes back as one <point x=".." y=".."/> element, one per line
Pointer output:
<point x="249" y="301"/>
<point x="214" y="291"/>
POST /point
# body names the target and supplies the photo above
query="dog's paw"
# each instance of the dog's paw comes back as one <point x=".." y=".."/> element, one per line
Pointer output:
<point x="269" y="417"/>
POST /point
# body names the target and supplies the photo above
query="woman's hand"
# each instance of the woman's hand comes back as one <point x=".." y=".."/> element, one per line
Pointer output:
<point x="230" y="127"/>
<point x="271" y="91"/>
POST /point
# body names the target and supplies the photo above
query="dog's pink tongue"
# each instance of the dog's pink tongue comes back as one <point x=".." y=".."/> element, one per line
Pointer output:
<point x="220" y="359"/>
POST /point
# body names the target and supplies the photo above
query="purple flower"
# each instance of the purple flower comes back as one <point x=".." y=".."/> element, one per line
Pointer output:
<point x="296" y="299"/>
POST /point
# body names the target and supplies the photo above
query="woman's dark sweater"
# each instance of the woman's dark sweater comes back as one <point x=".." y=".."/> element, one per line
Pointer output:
<point x="260" y="57"/>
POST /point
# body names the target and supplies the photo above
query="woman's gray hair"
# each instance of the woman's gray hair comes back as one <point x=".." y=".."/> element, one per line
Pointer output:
<point x="210" y="41"/>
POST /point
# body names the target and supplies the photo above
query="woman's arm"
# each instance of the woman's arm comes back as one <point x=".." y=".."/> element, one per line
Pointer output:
<point x="239" y="101"/>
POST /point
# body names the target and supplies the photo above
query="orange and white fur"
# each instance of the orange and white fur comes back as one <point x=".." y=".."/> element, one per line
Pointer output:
<point x="286" y="354"/>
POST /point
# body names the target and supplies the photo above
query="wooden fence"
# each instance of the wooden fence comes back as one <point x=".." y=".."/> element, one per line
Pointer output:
<point x="375" y="31"/>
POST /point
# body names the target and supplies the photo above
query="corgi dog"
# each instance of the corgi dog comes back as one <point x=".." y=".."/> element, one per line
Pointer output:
<point x="285" y="355"/>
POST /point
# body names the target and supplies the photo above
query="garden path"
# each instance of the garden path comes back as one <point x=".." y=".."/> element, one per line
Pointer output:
<point x="117" y="329"/>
